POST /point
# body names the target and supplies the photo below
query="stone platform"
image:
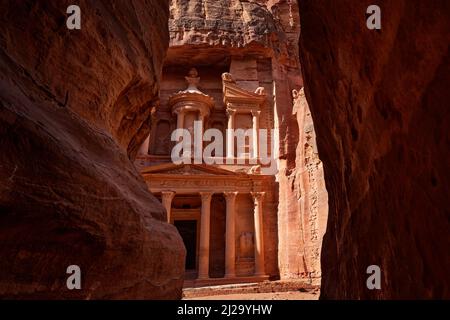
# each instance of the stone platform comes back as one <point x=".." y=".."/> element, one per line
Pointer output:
<point x="197" y="283"/>
<point x="249" y="287"/>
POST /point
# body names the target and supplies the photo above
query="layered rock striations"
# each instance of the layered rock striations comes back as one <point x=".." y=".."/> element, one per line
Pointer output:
<point x="232" y="27"/>
<point x="73" y="110"/>
<point x="379" y="100"/>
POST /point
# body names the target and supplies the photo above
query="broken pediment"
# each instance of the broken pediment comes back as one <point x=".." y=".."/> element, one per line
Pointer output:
<point x="235" y="96"/>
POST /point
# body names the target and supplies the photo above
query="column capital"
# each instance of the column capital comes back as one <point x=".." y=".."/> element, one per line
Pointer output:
<point x="168" y="193"/>
<point x="256" y="113"/>
<point x="230" y="195"/>
<point x="179" y="111"/>
<point x="258" y="196"/>
<point x="231" y="112"/>
<point x="206" y="195"/>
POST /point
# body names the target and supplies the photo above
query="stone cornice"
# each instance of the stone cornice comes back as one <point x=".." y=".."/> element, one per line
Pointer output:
<point x="205" y="183"/>
<point x="185" y="100"/>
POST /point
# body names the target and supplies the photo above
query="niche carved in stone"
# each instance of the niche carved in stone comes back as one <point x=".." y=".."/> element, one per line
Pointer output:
<point x="246" y="245"/>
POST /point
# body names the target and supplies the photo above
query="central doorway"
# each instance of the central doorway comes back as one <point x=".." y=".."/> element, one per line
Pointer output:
<point x="188" y="232"/>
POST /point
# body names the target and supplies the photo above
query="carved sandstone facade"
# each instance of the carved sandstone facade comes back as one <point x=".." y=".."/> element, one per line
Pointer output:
<point x="225" y="212"/>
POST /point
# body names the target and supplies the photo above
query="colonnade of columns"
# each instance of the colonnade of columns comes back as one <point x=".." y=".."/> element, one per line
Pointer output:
<point x="181" y="113"/>
<point x="232" y="125"/>
<point x="230" y="232"/>
<point x="201" y="116"/>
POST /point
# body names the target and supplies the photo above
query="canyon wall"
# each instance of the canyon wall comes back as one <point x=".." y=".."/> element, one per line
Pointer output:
<point x="306" y="182"/>
<point x="257" y="42"/>
<point x="380" y="100"/>
<point x="74" y="107"/>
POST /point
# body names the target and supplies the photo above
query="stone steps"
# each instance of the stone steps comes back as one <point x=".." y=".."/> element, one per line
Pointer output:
<point x="261" y="287"/>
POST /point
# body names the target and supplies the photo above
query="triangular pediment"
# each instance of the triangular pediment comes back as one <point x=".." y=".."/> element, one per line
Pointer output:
<point x="186" y="169"/>
<point x="233" y="91"/>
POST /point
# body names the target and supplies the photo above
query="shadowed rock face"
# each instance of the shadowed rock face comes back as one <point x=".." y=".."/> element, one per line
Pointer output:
<point x="380" y="100"/>
<point x="73" y="108"/>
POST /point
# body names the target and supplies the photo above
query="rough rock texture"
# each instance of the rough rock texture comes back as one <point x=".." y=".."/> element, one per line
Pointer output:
<point x="72" y="109"/>
<point x="257" y="42"/>
<point x="307" y="196"/>
<point x="380" y="100"/>
<point x="221" y="28"/>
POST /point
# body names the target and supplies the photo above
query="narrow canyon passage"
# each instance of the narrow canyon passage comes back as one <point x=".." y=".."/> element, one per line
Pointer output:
<point x="355" y="127"/>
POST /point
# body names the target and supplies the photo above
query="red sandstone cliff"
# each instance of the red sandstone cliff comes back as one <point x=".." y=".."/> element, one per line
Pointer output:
<point x="73" y="108"/>
<point x="308" y="199"/>
<point x="380" y="100"/>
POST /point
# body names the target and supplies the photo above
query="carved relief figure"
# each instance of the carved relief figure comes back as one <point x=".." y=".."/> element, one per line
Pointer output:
<point x="246" y="245"/>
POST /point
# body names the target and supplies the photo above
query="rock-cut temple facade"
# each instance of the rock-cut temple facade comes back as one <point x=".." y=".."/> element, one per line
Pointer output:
<point x="225" y="211"/>
<point x="239" y="221"/>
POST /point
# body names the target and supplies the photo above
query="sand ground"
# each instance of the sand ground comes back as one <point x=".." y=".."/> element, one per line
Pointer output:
<point x="267" y="290"/>
<point x="290" y="295"/>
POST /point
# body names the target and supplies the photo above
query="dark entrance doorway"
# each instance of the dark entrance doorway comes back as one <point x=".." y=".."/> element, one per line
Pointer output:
<point x="188" y="231"/>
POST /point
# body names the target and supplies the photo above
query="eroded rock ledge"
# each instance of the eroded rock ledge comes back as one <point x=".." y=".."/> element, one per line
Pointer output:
<point x="72" y="110"/>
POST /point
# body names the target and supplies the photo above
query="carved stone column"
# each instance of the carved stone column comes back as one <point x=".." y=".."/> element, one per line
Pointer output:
<point x="230" y="136"/>
<point x="144" y="147"/>
<point x="230" y="249"/>
<point x="198" y="142"/>
<point x="180" y="119"/>
<point x="154" y="128"/>
<point x="203" y="263"/>
<point x="255" y="139"/>
<point x="259" y="236"/>
<point x="166" y="197"/>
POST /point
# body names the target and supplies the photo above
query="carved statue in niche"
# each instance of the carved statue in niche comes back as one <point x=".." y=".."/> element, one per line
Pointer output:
<point x="243" y="121"/>
<point x="255" y="169"/>
<point x="246" y="245"/>
<point x="193" y="80"/>
<point x="226" y="76"/>
<point x="218" y="125"/>
<point x="163" y="138"/>
<point x="260" y="91"/>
